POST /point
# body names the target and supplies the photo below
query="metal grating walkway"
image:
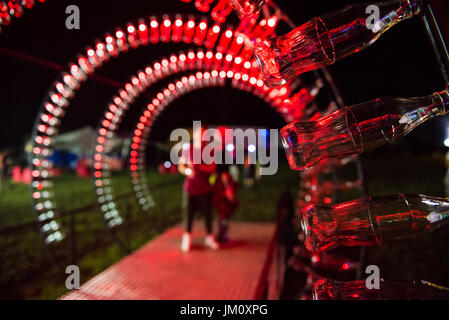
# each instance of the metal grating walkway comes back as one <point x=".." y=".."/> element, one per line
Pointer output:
<point x="160" y="270"/>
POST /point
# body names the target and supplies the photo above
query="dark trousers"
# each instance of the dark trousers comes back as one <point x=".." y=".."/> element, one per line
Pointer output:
<point x="194" y="203"/>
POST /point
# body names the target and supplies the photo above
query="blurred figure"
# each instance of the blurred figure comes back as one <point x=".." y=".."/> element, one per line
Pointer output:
<point x="197" y="195"/>
<point x="249" y="173"/>
<point x="82" y="168"/>
<point x="5" y="162"/>
<point x="224" y="200"/>
<point x="235" y="173"/>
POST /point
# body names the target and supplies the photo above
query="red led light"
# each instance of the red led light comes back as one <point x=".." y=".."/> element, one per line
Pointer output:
<point x="121" y="41"/>
<point x="177" y="30"/>
<point x="154" y="30"/>
<point x="225" y="40"/>
<point x="265" y="28"/>
<point x="142" y="33"/>
<point x="218" y="60"/>
<point x="189" y="31"/>
<point x="165" y="29"/>
<point x="111" y="46"/>
<point x="212" y="37"/>
<point x="119" y="34"/>
<point x="236" y="44"/>
<point x="200" y="33"/>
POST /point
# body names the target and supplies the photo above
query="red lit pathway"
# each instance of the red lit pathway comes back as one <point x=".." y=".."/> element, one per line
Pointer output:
<point x="160" y="270"/>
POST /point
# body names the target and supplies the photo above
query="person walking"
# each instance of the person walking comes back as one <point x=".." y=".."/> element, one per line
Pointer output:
<point x="197" y="196"/>
<point x="225" y="189"/>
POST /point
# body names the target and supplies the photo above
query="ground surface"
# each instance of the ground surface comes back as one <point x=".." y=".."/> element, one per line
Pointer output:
<point x="159" y="270"/>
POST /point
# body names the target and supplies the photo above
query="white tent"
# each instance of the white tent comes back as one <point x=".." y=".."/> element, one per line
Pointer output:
<point x="81" y="142"/>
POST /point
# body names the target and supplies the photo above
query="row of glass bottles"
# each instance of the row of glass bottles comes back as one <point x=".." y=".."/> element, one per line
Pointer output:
<point x="350" y="131"/>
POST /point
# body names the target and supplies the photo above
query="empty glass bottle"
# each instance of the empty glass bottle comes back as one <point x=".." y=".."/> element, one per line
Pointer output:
<point x="328" y="38"/>
<point x="352" y="130"/>
<point x="371" y="221"/>
<point x="389" y="290"/>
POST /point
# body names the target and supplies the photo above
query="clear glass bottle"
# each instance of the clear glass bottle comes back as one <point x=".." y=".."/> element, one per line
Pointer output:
<point x="389" y="290"/>
<point x="352" y="130"/>
<point x="371" y="221"/>
<point x="328" y="38"/>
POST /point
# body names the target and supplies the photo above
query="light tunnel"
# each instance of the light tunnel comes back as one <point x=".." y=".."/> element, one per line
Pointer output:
<point x="114" y="114"/>
<point x="224" y="51"/>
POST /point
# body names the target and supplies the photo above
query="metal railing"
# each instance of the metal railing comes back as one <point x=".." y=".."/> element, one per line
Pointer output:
<point x="271" y="277"/>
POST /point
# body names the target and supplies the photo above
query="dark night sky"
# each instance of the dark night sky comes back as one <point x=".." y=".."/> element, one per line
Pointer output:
<point x="401" y="63"/>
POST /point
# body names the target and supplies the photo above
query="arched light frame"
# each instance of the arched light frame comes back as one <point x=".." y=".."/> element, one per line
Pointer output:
<point x="140" y="82"/>
<point x="137" y="164"/>
<point x="14" y="9"/>
<point x="187" y="30"/>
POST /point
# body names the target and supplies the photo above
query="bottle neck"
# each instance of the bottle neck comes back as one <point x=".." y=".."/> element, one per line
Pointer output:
<point x="406" y="10"/>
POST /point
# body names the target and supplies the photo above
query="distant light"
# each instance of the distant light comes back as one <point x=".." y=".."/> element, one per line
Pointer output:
<point x="167" y="164"/>
<point x="345" y="266"/>
<point x="186" y="146"/>
<point x="188" y="171"/>
<point x="252" y="148"/>
<point x="446" y="142"/>
<point x="230" y="147"/>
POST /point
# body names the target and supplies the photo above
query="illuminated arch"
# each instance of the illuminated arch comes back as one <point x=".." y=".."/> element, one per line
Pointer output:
<point x="176" y="29"/>
<point x="140" y="82"/>
<point x="187" y="30"/>
<point x="14" y="9"/>
<point x="164" y="98"/>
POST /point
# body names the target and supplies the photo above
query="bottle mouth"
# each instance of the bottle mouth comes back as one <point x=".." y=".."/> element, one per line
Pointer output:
<point x="415" y="5"/>
<point x="305" y="227"/>
<point x="266" y="58"/>
<point x="444" y="96"/>
<point x="247" y="10"/>
<point x="300" y="149"/>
